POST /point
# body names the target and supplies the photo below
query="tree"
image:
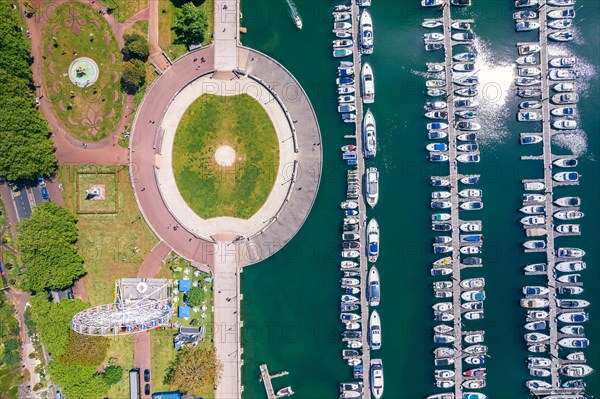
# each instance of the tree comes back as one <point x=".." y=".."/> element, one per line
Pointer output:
<point x="46" y="244"/>
<point x="195" y="296"/>
<point x="136" y="47"/>
<point x="24" y="135"/>
<point x="195" y="370"/>
<point x="191" y="24"/>
<point x="134" y="75"/>
<point x="113" y="374"/>
<point x="78" y="382"/>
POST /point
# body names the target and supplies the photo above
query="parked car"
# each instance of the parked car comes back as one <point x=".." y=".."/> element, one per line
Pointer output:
<point x="146" y="375"/>
<point x="45" y="193"/>
<point x="147" y="389"/>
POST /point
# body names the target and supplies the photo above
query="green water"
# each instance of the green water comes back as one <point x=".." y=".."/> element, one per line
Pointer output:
<point x="291" y="301"/>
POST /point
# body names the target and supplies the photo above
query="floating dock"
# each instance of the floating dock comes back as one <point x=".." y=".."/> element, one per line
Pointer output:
<point x="266" y="378"/>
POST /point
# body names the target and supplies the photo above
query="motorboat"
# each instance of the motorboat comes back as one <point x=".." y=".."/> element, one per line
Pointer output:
<point x="472" y="283"/>
<point x="437" y="126"/>
<point x="562" y="74"/>
<point x="469" y="147"/>
<point x="365" y="32"/>
<point x="539" y="372"/>
<point x="533" y="209"/>
<point x="461" y="3"/>
<point x="577" y="343"/>
<point x="443" y="351"/>
<point x="463" y="67"/>
<point x="298" y="21"/>
<point x="345" y="89"/>
<point x="348" y="353"/>
<point x="436" y="135"/>
<point x="529" y="116"/>
<point x="433" y="36"/>
<point x="349" y="307"/>
<point x="536" y="315"/>
<point x="474" y="383"/>
<point x="460" y="25"/>
<point x="435" y="105"/>
<point x="444" y="383"/>
<point x="467" y="81"/>
<point x="369" y="135"/>
<point x="345" y="80"/>
<point x="470" y="250"/>
<point x="440" y="194"/>
<point x="536" y="337"/>
<point x="436" y="92"/>
<point x="443" y="262"/>
<point x="528" y="198"/>
<point x="563" y="62"/>
<point x="351" y="220"/>
<point x="435" y="67"/>
<point x="373" y="287"/>
<point x="535" y="244"/>
<point x="349" y="299"/>
<point x="341" y="16"/>
<point x="372" y="186"/>
<point x="533" y="361"/>
<point x="443" y="329"/>
<point x="441" y="271"/>
<point x="443" y="338"/>
<point x="441" y="227"/>
<point x="435" y="83"/>
<point x="527" y="60"/>
<point x="477" y="372"/>
<point x="342" y="25"/>
<point x="565" y="124"/>
<point x="348" y="264"/>
<point x="525" y="14"/>
<point x="341" y="8"/>
<point x="470" y="227"/>
<point x="349" y="316"/>
<point x="465" y="57"/>
<point x="572" y="303"/>
<point x="465" y="102"/>
<point x="446" y="395"/>
<point x="534" y="303"/>
<point x="342" y="52"/>
<point x="561" y="36"/>
<point x="469" y="158"/>
<point x="375" y="331"/>
<point x="436" y="115"/>
<point x="346" y="108"/>
<point x="525" y="26"/>
<point x="368" y="84"/>
<point x="287" y="391"/>
<point x="565" y="162"/>
<point x="526" y="3"/>
<point x="442" y="307"/>
<point x="574" y="317"/>
<point x="564" y="87"/>
<point x="468" y="126"/>
<point x="476" y="349"/>
<point x="567" y="267"/>
<point x="441" y="204"/>
<point x="431" y="23"/>
<point x="431" y="3"/>
<point x="473" y="179"/>
<point x="440" y="182"/>
<point x="538" y="384"/>
<point x="568" y="228"/>
<point x="346" y="99"/>
<point x="350" y="254"/>
<point x="443" y="374"/>
<point x="568" y="215"/>
<point x="527" y="81"/>
<point x="441" y="147"/>
<point x="528" y="93"/>
<point x="466" y="37"/>
<point x="561" y="3"/>
<point x="570" y="278"/>
<point x="466" y="137"/>
<point x="563" y="111"/>
<point x="533" y="220"/>
<point x="535" y="290"/>
<point x="343" y="43"/>
<point x="471" y="205"/>
<point x="473" y="295"/>
<point x="576" y="370"/>
<point x="350" y="282"/>
<point x="473" y="305"/>
<point x="354" y="344"/>
<point x="536" y="325"/>
<point x="373" y="240"/>
<point x="534" y="186"/>
<point x="565" y="98"/>
<point x="352" y="290"/>
<point x="442" y="249"/>
<point x="576" y="356"/>
<point x="529" y="72"/>
<point x="568" y="201"/>
<point x="377" y="375"/>
<point x="466" y="92"/>
<point x="433" y="46"/>
<point x="569" y="290"/>
<point x="470" y="193"/>
<point x="440" y="217"/>
<point x="343" y="34"/>
<point x="530" y="104"/>
<point x="527" y="49"/>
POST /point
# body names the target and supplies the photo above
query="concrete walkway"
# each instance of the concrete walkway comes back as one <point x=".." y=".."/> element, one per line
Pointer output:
<point x="226" y="34"/>
<point x="166" y="179"/>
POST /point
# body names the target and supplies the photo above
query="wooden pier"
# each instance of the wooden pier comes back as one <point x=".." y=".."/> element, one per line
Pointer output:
<point x="362" y="207"/>
<point x="266" y="378"/>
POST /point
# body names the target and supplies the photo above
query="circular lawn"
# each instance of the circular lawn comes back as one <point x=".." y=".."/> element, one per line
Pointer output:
<point x="225" y="156"/>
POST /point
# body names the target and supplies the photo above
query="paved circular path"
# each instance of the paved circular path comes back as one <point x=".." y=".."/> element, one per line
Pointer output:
<point x="303" y="172"/>
<point x="173" y="199"/>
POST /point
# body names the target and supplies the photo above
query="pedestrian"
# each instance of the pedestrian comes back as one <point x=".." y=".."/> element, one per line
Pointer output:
<point x="190" y="240"/>
<point x="202" y="60"/>
<point x="195" y="59"/>
<point x="224" y="29"/>
<point x="143" y="188"/>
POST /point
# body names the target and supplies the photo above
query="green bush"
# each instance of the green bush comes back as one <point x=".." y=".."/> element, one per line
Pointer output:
<point x="136" y="47"/>
<point x="195" y="296"/>
<point x="113" y="374"/>
<point x="134" y="75"/>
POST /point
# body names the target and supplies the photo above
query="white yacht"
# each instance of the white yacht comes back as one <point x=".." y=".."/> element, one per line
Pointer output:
<point x="368" y="84"/>
<point x="373" y="289"/>
<point x="365" y="32"/>
<point x="375" y="331"/>
<point x="298" y="21"/>
<point x="376" y="378"/>
<point x="372" y="186"/>
<point x="369" y="135"/>
<point x="373" y="240"/>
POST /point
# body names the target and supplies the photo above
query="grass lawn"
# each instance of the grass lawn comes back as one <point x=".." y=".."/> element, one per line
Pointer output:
<point x="167" y="15"/>
<point x="163" y="353"/>
<point x="120" y="353"/>
<point x="106" y="202"/>
<point x="213" y="190"/>
<point x="112" y="245"/>
<point x="125" y="9"/>
<point x="74" y="31"/>
<point x="140" y="27"/>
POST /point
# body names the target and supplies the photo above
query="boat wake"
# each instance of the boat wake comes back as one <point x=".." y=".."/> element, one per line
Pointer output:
<point x="293" y="9"/>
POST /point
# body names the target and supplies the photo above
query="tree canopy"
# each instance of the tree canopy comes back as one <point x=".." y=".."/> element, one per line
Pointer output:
<point x="195" y="370"/>
<point x="113" y="374"/>
<point x="195" y="296"/>
<point x="46" y="244"/>
<point x="191" y="24"/>
<point x="134" y="75"/>
<point x="136" y="47"/>
<point x="24" y="135"/>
